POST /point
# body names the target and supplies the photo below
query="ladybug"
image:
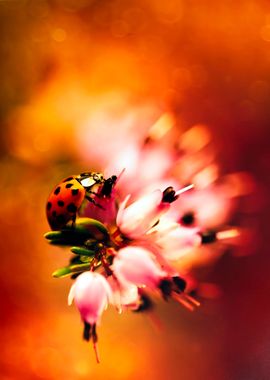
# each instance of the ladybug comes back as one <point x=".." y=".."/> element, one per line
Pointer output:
<point x="67" y="197"/>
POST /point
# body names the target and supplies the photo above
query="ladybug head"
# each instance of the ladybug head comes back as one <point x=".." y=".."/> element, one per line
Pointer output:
<point x="87" y="180"/>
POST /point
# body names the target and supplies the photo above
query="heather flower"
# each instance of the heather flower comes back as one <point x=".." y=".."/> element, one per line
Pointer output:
<point x="174" y="240"/>
<point x="125" y="251"/>
<point x="125" y="295"/>
<point x="136" y="219"/>
<point x="91" y="293"/>
<point x="135" y="265"/>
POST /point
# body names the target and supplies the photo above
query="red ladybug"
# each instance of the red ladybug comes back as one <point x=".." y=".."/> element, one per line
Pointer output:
<point x="67" y="197"/>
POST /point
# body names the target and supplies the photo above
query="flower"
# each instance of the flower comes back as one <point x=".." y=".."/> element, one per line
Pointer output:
<point x="135" y="265"/>
<point x="148" y="245"/>
<point x="174" y="240"/>
<point x="125" y="295"/>
<point x="91" y="293"/>
<point x="136" y="219"/>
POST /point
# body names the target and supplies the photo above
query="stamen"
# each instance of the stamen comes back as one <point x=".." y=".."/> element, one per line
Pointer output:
<point x="209" y="237"/>
<point x="186" y="300"/>
<point x="161" y="127"/>
<point x="87" y="331"/>
<point x="191" y="299"/>
<point x="95" y="346"/>
<point x="228" y="234"/>
<point x="184" y="189"/>
<point x="155" y="321"/>
<point x="182" y="301"/>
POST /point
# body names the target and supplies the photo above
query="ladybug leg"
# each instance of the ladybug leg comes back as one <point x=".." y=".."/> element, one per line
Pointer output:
<point x="94" y="202"/>
<point x="93" y="192"/>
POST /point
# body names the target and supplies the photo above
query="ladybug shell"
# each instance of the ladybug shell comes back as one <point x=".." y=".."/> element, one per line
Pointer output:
<point x="64" y="202"/>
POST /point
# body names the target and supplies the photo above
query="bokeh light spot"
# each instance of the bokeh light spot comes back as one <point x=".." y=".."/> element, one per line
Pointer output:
<point x="59" y="35"/>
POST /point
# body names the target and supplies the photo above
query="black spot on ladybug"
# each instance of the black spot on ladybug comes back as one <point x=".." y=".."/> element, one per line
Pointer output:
<point x="57" y="190"/>
<point x="49" y="206"/>
<point x="54" y="213"/>
<point x="61" y="203"/>
<point x="71" y="207"/>
<point x="68" y="179"/>
<point x="69" y="185"/>
<point x="75" y="191"/>
<point x="60" y="219"/>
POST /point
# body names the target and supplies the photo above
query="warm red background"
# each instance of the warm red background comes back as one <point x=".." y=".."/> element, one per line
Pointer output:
<point x="205" y="61"/>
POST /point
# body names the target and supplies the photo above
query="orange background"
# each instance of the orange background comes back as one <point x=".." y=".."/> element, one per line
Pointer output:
<point x="206" y="62"/>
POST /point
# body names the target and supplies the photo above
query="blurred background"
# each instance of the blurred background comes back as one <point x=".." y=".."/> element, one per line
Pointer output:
<point x="69" y="70"/>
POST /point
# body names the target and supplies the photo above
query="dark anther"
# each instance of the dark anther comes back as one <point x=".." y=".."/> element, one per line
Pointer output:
<point x="145" y="304"/>
<point x="208" y="237"/>
<point x="165" y="286"/>
<point x="187" y="218"/>
<point x="147" y="140"/>
<point x="94" y="334"/>
<point x="179" y="283"/>
<point x="87" y="331"/>
<point x="108" y="186"/>
<point x="169" y="195"/>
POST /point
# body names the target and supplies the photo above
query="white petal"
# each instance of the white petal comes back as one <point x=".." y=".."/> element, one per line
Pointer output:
<point x="71" y="294"/>
<point x="121" y="209"/>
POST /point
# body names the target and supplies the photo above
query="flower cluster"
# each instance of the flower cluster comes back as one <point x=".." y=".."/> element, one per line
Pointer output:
<point x="133" y="239"/>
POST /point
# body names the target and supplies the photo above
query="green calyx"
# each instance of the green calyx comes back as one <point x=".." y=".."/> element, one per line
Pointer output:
<point x="72" y="269"/>
<point x="86" y="239"/>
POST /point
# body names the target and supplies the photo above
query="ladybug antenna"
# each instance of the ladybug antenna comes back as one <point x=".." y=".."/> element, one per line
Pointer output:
<point x="120" y="174"/>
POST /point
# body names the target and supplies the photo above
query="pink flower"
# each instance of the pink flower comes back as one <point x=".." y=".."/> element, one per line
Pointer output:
<point x="211" y="206"/>
<point x="137" y="266"/>
<point x="91" y="293"/>
<point x="174" y="240"/>
<point x="136" y="219"/>
<point x="125" y="295"/>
